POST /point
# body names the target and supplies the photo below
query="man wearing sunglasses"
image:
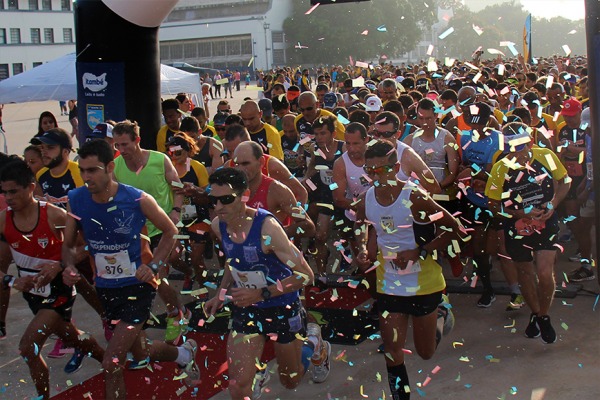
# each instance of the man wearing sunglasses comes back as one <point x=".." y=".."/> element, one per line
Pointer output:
<point x="411" y="165"/>
<point x="409" y="279"/>
<point x="307" y="106"/>
<point x="262" y="282"/>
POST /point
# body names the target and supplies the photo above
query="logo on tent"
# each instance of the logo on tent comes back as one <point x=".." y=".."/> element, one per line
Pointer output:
<point x="94" y="83"/>
<point x="95" y="114"/>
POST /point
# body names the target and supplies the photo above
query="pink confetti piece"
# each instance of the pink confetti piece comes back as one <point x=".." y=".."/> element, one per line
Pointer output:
<point x="311" y="185"/>
<point x="562" y="249"/>
<point x="407" y="351"/>
<point x="74" y="216"/>
<point x="426" y="381"/>
<point x="222" y="293"/>
<point x="365" y="32"/>
<point x="474" y="281"/>
<point x="436" y="369"/>
<point x="310" y="10"/>
<point x="139" y="170"/>
<point x="436" y="216"/>
<point x="279" y="286"/>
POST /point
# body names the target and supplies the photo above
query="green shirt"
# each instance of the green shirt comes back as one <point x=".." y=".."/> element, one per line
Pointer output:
<point x="150" y="179"/>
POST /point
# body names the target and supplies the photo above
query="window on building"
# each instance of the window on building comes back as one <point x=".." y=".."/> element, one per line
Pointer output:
<point x="17" y="68"/>
<point x="190" y="50"/>
<point x="48" y="35"/>
<point x="35" y="35"/>
<point x="277" y="37"/>
<point x="246" y="46"/>
<point x="13" y="4"/>
<point x="37" y="64"/>
<point x="3" y="71"/>
<point x="33" y="5"/>
<point x="233" y="47"/>
<point x="2" y="35"/>
<point x="278" y="56"/>
<point x="68" y="35"/>
<point x="65" y="5"/>
<point x="176" y="52"/>
<point x="15" y="35"/>
<point x="47" y="5"/>
<point x="204" y="49"/>
<point x="164" y="52"/>
<point x="219" y="48"/>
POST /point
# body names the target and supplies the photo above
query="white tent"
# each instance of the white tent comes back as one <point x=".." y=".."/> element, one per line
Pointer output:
<point x="56" y="80"/>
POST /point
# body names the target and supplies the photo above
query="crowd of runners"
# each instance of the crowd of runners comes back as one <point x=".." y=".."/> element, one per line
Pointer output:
<point x="385" y="173"/>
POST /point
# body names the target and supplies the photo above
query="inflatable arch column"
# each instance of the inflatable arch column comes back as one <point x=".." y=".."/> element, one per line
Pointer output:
<point x="118" y="63"/>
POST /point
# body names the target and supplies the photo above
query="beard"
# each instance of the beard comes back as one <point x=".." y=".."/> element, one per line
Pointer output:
<point x="56" y="161"/>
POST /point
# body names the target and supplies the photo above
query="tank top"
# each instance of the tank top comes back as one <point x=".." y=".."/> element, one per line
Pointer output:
<point x="259" y="200"/>
<point x="260" y="137"/>
<point x="356" y="182"/>
<point x="433" y="153"/>
<point x="251" y="267"/>
<point x="203" y="155"/>
<point x="112" y="232"/>
<point x="30" y="249"/>
<point x="400" y="147"/>
<point x="395" y="227"/>
<point x="150" y="179"/>
<point x="196" y="175"/>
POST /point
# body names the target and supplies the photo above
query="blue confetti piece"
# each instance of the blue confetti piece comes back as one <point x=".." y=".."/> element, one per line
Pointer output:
<point x="210" y="285"/>
<point x="596" y="303"/>
<point x="421" y="392"/>
<point x="295" y="149"/>
<point x="333" y="186"/>
<point x="468" y="385"/>
<point x="381" y="28"/>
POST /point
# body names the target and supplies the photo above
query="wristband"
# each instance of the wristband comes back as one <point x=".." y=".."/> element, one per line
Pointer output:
<point x="8" y="281"/>
<point x="153" y="267"/>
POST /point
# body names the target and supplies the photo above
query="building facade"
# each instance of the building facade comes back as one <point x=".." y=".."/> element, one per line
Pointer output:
<point x="33" y="32"/>
<point x="226" y="33"/>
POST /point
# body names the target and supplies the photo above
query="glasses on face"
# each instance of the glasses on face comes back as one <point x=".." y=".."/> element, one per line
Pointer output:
<point x="385" y="134"/>
<point x="306" y="109"/>
<point x="176" y="152"/>
<point x="225" y="199"/>
<point x="382" y="169"/>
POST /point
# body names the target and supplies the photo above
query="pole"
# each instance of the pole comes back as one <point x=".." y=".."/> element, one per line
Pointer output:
<point x="592" y="28"/>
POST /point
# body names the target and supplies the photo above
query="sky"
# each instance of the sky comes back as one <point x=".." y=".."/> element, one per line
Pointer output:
<point x="571" y="9"/>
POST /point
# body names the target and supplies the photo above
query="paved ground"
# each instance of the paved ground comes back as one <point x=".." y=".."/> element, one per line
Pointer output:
<point x="486" y="356"/>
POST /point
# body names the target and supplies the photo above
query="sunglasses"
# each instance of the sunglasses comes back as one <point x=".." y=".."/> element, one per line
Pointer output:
<point x="226" y="199"/>
<point x="382" y="169"/>
<point x="385" y="134"/>
<point x="176" y="152"/>
<point x="306" y="109"/>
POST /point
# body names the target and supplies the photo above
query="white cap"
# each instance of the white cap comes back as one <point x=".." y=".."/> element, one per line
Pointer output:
<point x="373" y="103"/>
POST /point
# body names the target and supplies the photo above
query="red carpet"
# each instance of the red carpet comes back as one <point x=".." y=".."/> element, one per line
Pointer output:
<point x="159" y="384"/>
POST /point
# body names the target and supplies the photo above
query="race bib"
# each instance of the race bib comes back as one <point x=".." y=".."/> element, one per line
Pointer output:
<point x="43" y="291"/>
<point x="391" y="267"/>
<point x="527" y="227"/>
<point x="326" y="176"/>
<point x="114" y="265"/>
<point x="249" y="279"/>
<point x="188" y="211"/>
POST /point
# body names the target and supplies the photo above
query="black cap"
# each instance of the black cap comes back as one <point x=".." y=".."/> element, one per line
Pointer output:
<point x="53" y="137"/>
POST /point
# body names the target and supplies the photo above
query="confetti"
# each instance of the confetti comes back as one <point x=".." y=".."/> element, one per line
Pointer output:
<point x="310" y="10"/>
<point x="446" y="33"/>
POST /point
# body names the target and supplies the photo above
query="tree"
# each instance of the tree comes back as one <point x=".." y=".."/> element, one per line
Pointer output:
<point x="333" y="33"/>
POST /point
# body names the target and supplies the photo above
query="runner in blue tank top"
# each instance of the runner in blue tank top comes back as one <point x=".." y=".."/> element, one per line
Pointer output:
<point x="111" y="217"/>
<point x="263" y="275"/>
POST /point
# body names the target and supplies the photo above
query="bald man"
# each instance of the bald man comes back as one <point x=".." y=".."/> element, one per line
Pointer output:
<point x="293" y="154"/>
<point x="265" y="135"/>
<point x="269" y="194"/>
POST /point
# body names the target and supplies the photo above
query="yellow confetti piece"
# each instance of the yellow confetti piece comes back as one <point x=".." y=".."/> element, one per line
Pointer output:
<point x="564" y="326"/>
<point x="464" y="359"/>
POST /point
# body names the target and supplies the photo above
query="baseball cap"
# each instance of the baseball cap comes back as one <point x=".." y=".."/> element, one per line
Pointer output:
<point x="266" y="107"/>
<point x="101" y="131"/>
<point x="329" y="100"/>
<point x="219" y="119"/>
<point x="178" y="141"/>
<point x="54" y="137"/>
<point x="373" y="103"/>
<point x="280" y="102"/>
<point x="571" y="107"/>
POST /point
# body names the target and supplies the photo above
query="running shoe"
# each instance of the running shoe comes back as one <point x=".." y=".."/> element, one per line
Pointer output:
<point x="260" y="382"/>
<point x="486" y="299"/>
<point x="445" y="312"/>
<point x="517" y="301"/>
<point x="581" y="274"/>
<point x="532" y="330"/>
<point x="191" y="368"/>
<point x="75" y="362"/>
<point x="575" y="258"/>
<point x="177" y="326"/>
<point x="321" y="366"/>
<point x="56" y="350"/>
<point x="546" y="330"/>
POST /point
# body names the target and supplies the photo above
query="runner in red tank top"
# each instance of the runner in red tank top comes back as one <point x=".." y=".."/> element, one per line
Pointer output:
<point x="30" y="237"/>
